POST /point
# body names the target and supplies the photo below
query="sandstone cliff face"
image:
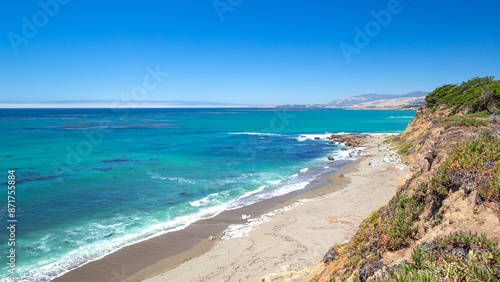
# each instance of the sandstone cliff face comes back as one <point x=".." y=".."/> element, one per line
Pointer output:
<point x="437" y="198"/>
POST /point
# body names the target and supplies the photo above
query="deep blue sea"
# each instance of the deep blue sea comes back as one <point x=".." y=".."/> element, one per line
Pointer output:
<point x="90" y="181"/>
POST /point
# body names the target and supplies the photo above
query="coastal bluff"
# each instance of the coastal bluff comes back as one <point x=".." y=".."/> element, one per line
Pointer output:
<point x="443" y="223"/>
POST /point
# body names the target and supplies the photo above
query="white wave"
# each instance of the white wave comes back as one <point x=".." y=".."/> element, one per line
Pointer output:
<point x="180" y="179"/>
<point x="401" y="117"/>
<point x="155" y="175"/>
<point x="195" y="203"/>
<point x="216" y="198"/>
<point x="274" y="182"/>
<point x="260" y="189"/>
<point x="291" y="187"/>
<point x="254" y="133"/>
<point x="295" y="175"/>
<point x="304" y="137"/>
<point x="304" y="170"/>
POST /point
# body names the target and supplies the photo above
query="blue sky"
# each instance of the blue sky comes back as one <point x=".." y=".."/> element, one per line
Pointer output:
<point x="258" y="52"/>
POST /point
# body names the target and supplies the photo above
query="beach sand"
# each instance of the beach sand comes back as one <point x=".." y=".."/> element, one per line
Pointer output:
<point x="296" y="237"/>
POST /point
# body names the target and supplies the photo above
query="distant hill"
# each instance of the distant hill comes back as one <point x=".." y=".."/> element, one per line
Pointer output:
<point x="379" y="100"/>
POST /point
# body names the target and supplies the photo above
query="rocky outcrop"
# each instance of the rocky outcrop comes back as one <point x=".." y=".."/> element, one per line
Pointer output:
<point x="390" y="157"/>
<point x="349" y="140"/>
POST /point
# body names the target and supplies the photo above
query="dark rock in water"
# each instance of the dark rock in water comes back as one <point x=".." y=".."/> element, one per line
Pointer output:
<point x="478" y="199"/>
<point x="330" y="158"/>
<point x="109" y="234"/>
<point x="317" y="138"/>
<point x="332" y="142"/>
<point x="344" y="149"/>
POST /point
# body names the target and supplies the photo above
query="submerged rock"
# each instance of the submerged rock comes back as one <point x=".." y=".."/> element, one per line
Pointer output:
<point x="330" y="158"/>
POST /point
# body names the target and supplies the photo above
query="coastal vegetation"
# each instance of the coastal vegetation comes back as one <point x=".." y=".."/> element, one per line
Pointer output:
<point x="461" y="256"/>
<point x="461" y="121"/>
<point x="477" y="94"/>
<point x="454" y="145"/>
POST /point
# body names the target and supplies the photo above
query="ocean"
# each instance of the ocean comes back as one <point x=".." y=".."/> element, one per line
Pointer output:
<point x="91" y="181"/>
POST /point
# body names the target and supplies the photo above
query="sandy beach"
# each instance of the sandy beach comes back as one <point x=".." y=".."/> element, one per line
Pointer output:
<point x="297" y="237"/>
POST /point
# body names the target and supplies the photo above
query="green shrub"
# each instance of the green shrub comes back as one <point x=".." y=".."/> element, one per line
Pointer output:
<point x="461" y="121"/>
<point x="482" y="114"/>
<point x="397" y="229"/>
<point x="458" y="257"/>
<point x="468" y="94"/>
<point x="404" y="148"/>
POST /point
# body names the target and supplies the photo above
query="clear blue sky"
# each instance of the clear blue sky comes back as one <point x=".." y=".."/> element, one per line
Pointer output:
<point x="262" y="52"/>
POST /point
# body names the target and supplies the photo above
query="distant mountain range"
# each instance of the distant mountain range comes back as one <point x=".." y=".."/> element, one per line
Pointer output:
<point x="409" y="101"/>
<point x="365" y="99"/>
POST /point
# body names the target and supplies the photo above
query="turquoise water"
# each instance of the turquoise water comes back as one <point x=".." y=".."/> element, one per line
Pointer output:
<point x="90" y="181"/>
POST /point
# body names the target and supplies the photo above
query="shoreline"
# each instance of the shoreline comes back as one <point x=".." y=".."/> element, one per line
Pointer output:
<point x="178" y="246"/>
<point x="168" y="251"/>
